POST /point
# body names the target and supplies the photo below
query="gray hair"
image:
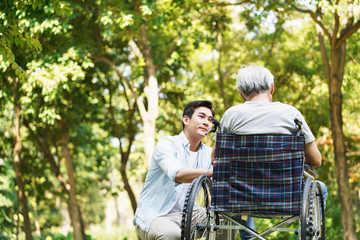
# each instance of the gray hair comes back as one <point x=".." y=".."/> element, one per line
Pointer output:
<point x="252" y="80"/>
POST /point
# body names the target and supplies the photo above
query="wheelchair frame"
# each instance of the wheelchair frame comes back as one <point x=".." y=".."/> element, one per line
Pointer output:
<point x="311" y="218"/>
<point x="220" y="225"/>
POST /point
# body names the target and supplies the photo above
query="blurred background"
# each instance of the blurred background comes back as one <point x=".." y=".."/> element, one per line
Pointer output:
<point x="87" y="87"/>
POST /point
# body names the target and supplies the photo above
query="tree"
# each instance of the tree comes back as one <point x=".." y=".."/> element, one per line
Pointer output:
<point x="122" y="119"/>
<point x="336" y="23"/>
<point x="17" y="162"/>
<point x="12" y="35"/>
<point x="158" y="34"/>
<point x="46" y="101"/>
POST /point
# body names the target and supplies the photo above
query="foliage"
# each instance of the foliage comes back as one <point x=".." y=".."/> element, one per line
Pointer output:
<point x="80" y="63"/>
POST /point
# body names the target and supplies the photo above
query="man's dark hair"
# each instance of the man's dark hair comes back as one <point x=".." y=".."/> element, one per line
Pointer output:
<point x="190" y="108"/>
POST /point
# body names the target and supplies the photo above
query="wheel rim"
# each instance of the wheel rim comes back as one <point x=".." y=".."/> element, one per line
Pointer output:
<point x="200" y="230"/>
<point x="198" y="197"/>
<point x="305" y="209"/>
<point x="315" y="220"/>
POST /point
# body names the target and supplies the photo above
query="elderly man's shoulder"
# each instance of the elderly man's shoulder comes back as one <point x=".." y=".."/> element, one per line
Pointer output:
<point x="285" y="105"/>
<point x="250" y="107"/>
<point x="236" y="107"/>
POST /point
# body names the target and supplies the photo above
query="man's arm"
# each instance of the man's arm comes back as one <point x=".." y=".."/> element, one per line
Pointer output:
<point x="186" y="175"/>
<point x="312" y="154"/>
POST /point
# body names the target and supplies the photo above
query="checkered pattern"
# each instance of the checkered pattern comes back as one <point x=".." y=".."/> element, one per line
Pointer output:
<point x="258" y="174"/>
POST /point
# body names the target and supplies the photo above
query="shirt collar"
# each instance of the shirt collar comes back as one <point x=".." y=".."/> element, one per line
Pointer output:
<point x="185" y="142"/>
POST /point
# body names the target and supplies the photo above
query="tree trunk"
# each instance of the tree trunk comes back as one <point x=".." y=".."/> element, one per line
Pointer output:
<point x="149" y="137"/>
<point x="124" y="154"/>
<point x="151" y="92"/>
<point x="128" y="188"/>
<point x="74" y="210"/>
<point x="335" y="97"/>
<point x="45" y="149"/>
<point x="219" y="70"/>
<point x="150" y="115"/>
<point x="17" y="163"/>
<point x="67" y="187"/>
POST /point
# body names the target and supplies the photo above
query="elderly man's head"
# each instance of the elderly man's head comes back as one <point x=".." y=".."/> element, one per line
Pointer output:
<point x="253" y="80"/>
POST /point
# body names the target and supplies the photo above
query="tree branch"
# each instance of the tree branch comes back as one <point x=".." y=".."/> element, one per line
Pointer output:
<point x="131" y="132"/>
<point x="105" y="60"/>
<point x="336" y="28"/>
<point x="346" y="33"/>
<point x="315" y="18"/>
<point x="324" y="56"/>
<point x="46" y="150"/>
<point x="224" y="4"/>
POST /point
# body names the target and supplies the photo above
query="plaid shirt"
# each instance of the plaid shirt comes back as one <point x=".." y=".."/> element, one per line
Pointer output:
<point x="258" y="174"/>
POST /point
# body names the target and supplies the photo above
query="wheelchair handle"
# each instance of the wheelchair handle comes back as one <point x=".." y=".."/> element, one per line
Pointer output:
<point x="216" y="125"/>
<point x="309" y="171"/>
<point x="299" y="126"/>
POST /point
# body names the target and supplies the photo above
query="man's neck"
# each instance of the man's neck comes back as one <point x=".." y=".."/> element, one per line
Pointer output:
<point x="261" y="97"/>
<point x="194" y="147"/>
<point x="194" y="143"/>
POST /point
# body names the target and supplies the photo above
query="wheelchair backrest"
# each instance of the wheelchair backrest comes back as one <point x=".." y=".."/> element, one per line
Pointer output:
<point x="258" y="174"/>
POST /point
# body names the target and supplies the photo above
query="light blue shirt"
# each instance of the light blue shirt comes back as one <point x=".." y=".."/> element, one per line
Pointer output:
<point x="161" y="192"/>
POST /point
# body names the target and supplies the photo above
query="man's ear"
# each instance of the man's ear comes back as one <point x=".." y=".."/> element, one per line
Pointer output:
<point x="272" y="89"/>
<point x="186" y="120"/>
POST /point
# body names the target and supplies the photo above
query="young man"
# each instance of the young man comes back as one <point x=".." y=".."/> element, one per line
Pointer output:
<point x="259" y="115"/>
<point x="176" y="161"/>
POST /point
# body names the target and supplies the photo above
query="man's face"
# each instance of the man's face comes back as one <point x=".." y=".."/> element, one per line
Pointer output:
<point x="199" y="123"/>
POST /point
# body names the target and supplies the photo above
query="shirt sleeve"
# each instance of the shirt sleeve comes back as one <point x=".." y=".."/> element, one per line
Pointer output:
<point x="166" y="156"/>
<point x="224" y="123"/>
<point x="309" y="136"/>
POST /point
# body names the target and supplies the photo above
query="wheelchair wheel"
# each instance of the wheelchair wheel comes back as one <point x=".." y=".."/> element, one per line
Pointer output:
<point x="316" y="225"/>
<point x="197" y="199"/>
<point x="312" y="219"/>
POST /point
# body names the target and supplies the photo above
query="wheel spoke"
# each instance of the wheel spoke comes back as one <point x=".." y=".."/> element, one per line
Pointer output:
<point x="315" y="219"/>
<point x="197" y="202"/>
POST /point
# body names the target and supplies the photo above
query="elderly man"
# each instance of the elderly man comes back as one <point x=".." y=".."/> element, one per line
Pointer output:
<point x="260" y="115"/>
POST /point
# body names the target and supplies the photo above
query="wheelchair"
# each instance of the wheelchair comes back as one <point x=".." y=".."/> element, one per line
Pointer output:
<point x="260" y="176"/>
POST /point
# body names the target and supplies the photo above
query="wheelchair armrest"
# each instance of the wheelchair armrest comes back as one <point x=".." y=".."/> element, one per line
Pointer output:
<point x="310" y="170"/>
